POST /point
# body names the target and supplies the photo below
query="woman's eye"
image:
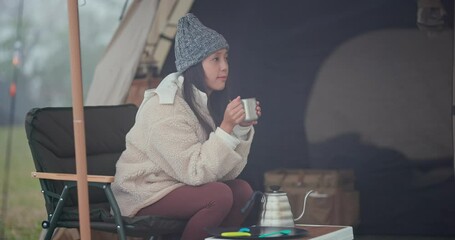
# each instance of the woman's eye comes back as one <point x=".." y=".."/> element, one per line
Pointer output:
<point x="216" y="59"/>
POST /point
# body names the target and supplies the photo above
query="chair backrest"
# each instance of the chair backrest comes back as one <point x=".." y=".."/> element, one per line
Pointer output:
<point x="51" y="139"/>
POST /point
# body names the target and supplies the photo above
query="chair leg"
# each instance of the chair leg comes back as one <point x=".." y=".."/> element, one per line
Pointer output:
<point x="163" y="237"/>
<point x="53" y="218"/>
<point x="49" y="233"/>
<point x="42" y="235"/>
<point x="117" y="215"/>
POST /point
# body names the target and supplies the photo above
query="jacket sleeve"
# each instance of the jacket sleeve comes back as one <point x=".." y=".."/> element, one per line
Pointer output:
<point x="189" y="160"/>
<point x="243" y="149"/>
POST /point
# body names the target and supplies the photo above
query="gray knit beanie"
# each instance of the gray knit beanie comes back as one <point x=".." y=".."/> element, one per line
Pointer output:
<point x="194" y="42"/>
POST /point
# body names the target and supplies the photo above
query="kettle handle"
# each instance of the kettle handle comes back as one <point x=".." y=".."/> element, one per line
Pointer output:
<point x="304" y="205"/>
<point x="251" y="201"/>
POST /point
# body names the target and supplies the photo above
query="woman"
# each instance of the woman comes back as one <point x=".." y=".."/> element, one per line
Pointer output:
<point x="189" y="142"/>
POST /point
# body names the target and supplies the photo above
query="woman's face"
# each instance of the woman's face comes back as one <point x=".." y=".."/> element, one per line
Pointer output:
<point x="216" y="69"/>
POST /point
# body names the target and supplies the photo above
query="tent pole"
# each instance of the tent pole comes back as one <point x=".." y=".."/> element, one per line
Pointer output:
<point x="78" y="119"/>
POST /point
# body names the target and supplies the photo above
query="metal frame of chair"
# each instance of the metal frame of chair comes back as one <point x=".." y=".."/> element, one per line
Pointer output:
<point x="49" y="133"/>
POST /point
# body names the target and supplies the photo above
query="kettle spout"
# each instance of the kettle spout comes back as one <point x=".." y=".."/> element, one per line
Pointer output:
<point x="250" y="202"/>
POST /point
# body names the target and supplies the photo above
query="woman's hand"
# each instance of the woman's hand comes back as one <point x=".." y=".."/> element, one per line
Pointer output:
<point x="258" y="112"/>
<point x="233" y="115"/>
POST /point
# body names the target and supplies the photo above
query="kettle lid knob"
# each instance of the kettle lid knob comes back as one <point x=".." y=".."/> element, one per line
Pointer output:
<point x="275" y="188"/>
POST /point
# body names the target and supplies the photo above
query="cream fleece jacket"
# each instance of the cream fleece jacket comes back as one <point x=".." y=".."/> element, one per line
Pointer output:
<point x="167" y="148"/>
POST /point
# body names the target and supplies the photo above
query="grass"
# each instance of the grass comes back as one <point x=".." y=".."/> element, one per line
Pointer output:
<point x="25" y="203"/>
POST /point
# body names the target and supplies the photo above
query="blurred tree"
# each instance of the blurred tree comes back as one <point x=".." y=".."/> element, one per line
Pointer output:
<point x="45" y="74"/>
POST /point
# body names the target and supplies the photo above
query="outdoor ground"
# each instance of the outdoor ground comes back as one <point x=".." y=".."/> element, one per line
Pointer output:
<point x="25" y="205"/>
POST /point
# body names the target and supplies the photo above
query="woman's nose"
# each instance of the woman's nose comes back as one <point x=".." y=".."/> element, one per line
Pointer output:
<point x="224" y="65"/>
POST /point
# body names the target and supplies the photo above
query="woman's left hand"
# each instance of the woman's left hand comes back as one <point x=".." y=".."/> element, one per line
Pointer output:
<point x="258" y="112"/>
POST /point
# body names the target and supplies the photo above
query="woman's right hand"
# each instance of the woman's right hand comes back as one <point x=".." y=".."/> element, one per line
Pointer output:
<point x="233" y="115"/>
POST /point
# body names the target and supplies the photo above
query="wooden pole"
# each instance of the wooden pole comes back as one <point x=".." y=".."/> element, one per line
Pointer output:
<point x="78" y="119"/>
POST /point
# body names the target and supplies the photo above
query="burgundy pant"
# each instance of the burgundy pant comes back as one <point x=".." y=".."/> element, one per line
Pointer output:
<point x="210" y="205"/>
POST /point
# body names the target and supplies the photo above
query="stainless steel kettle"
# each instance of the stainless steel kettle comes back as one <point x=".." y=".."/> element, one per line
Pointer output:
<point x="276" y="209"/>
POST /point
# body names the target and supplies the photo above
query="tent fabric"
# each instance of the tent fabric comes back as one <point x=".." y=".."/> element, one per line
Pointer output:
<point x="163" y="31"/>
<point x="116" y="69"/>
<point x="393" y="105"/>
<point x="453" y="92"/>
<point x="141" y="43"/>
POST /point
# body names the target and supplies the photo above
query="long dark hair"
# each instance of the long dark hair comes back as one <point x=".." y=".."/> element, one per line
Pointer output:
<point x="216" y="103"/>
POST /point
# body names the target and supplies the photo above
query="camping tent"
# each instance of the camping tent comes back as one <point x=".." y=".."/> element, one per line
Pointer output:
<point x="343" y="84"/>
<point x="141" y="42"/>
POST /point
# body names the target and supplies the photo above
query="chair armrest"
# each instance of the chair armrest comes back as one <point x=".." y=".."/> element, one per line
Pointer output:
<point x="72" y="177"/>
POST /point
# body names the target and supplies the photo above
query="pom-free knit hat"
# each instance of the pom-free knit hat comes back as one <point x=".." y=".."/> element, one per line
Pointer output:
<point x="194" y="42"/>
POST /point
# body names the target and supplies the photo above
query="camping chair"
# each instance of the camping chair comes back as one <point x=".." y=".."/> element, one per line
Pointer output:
<point x="50" y="136"/>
